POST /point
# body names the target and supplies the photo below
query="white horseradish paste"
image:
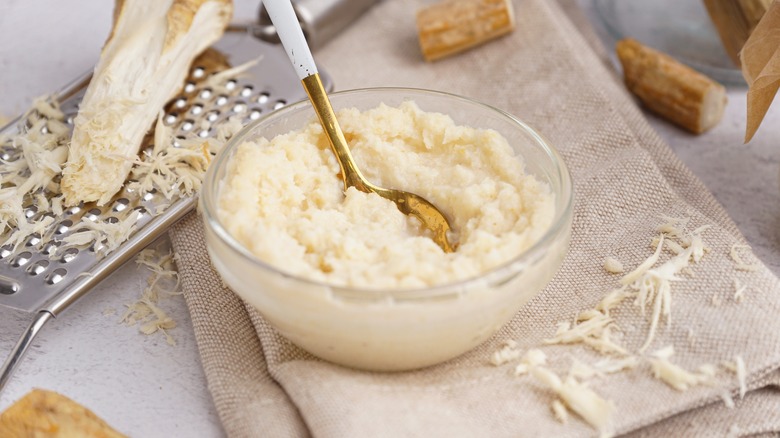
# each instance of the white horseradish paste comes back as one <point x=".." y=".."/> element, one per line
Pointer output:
<point x="284" y="201"/>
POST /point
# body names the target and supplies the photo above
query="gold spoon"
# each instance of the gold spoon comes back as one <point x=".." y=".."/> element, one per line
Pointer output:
<point x="291" y="35"/>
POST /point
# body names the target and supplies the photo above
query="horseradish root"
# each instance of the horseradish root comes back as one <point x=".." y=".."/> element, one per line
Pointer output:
<point x="143" y="64"/>
<point x="670" y="89"/>
<point x="453" y="26"/>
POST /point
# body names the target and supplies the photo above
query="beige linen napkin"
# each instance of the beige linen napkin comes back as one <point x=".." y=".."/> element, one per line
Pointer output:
<point x="625" y="177"/>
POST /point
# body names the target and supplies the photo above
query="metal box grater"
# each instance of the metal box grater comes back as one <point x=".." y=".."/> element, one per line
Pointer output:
<point x="36" y="279"/>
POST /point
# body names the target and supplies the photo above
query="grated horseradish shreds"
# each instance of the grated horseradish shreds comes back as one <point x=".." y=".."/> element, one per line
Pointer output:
<point x="593" y="329"/>
<point x="609" y="365"/>
<point x="217" y="81"/>
<point x="613" y="265"/>
<point x="531" y="358"/>
<point x="739" y="290"/>
<point x="716" y="301"/>
<point x="43" y="150"/>
<point x="42" y="139"/>
<point x="739" y="263"/>
<point x="591" y="407"/>
<point x="163" y="281"/>
<point x="650" y="286"/>
<point x="507" y="353"/>
<point x="728" y="400"/>
<point x="559" y="411"/>
<point x="738" y="368"/>
<point x="676" y="376"/>
<point x="654" y="285"/>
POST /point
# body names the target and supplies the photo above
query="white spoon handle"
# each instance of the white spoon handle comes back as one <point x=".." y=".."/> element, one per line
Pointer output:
<point x="290" y="33"/>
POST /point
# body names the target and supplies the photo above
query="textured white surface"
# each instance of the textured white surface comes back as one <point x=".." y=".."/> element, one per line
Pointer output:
<point x="146" y="388"/>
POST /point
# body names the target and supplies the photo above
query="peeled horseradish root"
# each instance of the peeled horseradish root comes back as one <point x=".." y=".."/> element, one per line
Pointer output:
<point x="143" y="64"/>
<point x="670" y="89"/>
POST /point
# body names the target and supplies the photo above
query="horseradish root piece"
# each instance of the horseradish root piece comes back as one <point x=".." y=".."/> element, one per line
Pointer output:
<point x="143" y="64"/>
<point x="46" y="414"/>
<point x="670" y="89"/>
<point x="453" y="26"/>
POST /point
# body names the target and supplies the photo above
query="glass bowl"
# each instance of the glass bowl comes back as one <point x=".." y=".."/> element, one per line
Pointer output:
<point x="682" y="29"/>
<point x="391" y="330"/>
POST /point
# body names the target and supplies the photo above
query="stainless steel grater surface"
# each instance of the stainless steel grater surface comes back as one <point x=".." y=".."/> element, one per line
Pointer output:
<point x="39" y="278"/>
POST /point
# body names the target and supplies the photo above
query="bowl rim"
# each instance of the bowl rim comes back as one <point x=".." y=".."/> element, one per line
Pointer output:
<point x="208" y="208"/>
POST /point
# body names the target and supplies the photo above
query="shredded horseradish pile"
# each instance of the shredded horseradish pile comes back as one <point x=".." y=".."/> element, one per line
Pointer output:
<point x="650" y="288"/>
<point x="43" y="141"/>
<point x="163" y="282"/>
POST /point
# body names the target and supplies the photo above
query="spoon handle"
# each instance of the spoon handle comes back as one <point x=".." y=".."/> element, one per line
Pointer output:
<point x="350" y="173"/>
<point x="290" y="33"/>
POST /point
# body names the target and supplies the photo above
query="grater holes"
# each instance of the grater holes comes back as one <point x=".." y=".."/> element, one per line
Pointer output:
<point x="112" y="220"/>
<point x="279" y="104"/>
<point x="189" y="87"/>
<point x="97" y="247"/>
<point x="263" y="97"/>
<point x="239" y="107"/>
<point x="196" y="109"/>
<point x="180" y="102"/>
<point x="198" y="72"/>
<point x="56" y="276"/>
<point x="148" y="196"/>
<point x="212" y="115"/>
<point x="187" y="125"/>
<point x="38" y="267"/>
<point x="206" y="93"/>
<point x="255" y="113"/>
<point x="170" y="119"/>
<point x="204" y="133"/>
<point x="73" y="210"/>
<point x="121" y="204"/>
<point x="221" y="100"/>
<point x="246" y="91"/>
<point x="141" y="210"/>
<point x="69" y="255"/>
<point x="6" y="251"/>
<point x="30" y="211"/>
<point x="63" y="227"/>
<point x="93" y="214"/>
<point x="33" y="240"/>
<point x="231" y="84"/>
<point x="51" y="248"/>
<point x="21" y="259"/>
<point x="8" y="287"/>
<point x="177" y="140"/>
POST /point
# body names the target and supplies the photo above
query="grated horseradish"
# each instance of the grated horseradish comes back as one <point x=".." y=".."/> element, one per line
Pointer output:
<point x="283" y="200"/>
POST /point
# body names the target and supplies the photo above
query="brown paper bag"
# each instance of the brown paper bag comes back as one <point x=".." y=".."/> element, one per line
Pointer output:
<point x="761" y="67"/>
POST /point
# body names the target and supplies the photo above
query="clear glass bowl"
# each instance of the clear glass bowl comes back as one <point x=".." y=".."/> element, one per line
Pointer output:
<point x="680" y="28"/>
<point x="388" y="330"/>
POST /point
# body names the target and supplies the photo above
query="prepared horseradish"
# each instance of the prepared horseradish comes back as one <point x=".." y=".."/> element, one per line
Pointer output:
<point x="284" y="201"/>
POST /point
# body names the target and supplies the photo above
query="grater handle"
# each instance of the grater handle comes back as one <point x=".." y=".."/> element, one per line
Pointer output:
<point x="22" y="345"/>
<point x="283" y="16"/>
<point x="321" y="20"/>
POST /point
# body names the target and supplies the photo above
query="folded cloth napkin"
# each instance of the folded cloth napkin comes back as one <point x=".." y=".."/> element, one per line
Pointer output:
<point x="548" y="75"/>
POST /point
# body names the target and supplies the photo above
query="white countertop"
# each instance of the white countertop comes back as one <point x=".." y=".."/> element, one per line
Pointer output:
<point x="144" y="387"/>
